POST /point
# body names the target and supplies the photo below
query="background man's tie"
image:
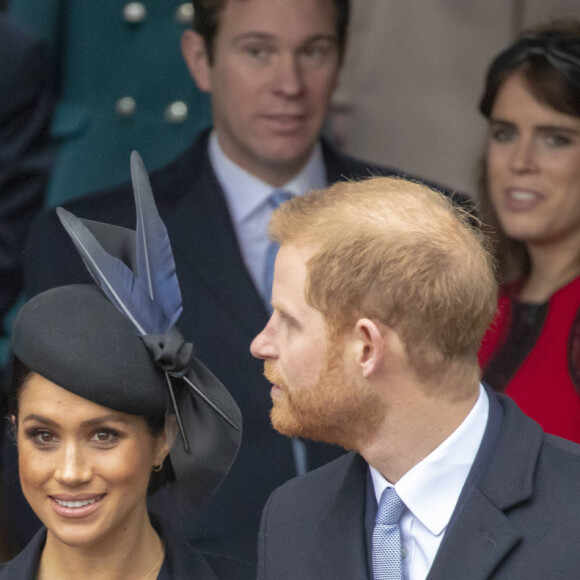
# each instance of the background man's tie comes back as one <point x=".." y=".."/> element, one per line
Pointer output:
<point x="276" y="198"/>
<point x="387" y="564"/>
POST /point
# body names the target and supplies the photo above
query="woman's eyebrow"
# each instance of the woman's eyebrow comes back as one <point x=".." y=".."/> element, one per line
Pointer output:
<point x="104" y="419"/>
<point x="40" y="419"/>
<point x="88" y="423"/>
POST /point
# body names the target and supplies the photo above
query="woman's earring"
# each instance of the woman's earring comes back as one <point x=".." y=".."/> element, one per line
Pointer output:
<point x="158" y="467"/>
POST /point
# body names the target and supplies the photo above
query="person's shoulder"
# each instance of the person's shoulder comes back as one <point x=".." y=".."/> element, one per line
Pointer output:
<point x="116" y="204"/>
<point x="109" y="206"/>
<point x="342" y="166"/>
<point x="562" y="449"/>
<point x="322" y="482"/>
<point x="557" y="470"/>
<point x="24" y="66"/>
<point x="25" y="564"/>
<point x="16" y="36"/>
<point x="184" y="560"/>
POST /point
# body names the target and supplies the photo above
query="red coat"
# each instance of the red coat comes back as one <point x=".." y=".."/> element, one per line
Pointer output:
<point x="540" y="368"/>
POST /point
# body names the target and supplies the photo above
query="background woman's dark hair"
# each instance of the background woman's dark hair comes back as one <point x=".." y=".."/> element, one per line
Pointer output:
<point x="549" y="84"/>
<point x="21" y="373"/>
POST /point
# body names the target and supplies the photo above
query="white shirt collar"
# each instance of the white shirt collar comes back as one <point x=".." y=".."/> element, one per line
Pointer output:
<point x="245" y="193"/>
<point x="431" y="488"/>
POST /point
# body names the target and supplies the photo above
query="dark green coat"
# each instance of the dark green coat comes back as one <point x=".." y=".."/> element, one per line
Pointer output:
<point x="103" y="57"/>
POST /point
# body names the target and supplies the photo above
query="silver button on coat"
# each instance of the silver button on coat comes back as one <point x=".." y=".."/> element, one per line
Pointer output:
<point x="134" y="12"/>
<point x="126" y="106"/>
<point x="176" y="112"/>
<point x="184" y="13"/>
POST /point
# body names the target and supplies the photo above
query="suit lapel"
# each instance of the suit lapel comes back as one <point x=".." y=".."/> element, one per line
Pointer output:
<point x="478" y="541"/>
<point x="204" y="242"/>
<point x="204" y="239"/>
<point x="481" y="535"/>
<point x="342" y="533"/>
<point x="25" y="565"/>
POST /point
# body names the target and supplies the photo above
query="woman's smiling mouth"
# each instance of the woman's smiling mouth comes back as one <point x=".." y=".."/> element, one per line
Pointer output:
<point x="76" y="508"/>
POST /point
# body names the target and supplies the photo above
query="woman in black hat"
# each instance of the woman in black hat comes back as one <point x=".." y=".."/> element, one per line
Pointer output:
<point x="531" y="189"/>
<point x="108" y="402"/>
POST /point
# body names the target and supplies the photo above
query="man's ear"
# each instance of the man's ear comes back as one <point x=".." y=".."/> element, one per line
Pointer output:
<point x="369" y="348"/>
<point x="377" y="346"/>
<point x="195" y="55"/>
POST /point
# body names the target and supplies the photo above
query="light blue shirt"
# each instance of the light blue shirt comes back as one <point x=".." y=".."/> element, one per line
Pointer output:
<point x="247" y="200"/>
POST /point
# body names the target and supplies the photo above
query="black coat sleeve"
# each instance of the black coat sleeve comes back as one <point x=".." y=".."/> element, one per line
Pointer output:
<point x="26" y="105"/>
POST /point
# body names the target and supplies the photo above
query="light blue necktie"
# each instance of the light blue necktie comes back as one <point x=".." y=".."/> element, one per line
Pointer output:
<point x="277" y="198"/>
<point x="387" y="563"/>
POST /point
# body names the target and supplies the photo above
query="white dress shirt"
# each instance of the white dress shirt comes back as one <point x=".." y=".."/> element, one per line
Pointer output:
<point x="430" y="490"/>
<point x="247" y="200"/>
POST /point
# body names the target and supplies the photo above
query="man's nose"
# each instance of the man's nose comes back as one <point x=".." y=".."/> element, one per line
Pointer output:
<point x="263" y="346"/>
<point x="288" y="75"/>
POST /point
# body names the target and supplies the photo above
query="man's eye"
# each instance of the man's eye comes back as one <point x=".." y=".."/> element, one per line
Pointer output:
<point x="557" y="140"/>
<point x="319" y="53"/>
<point x="258" y="51"/>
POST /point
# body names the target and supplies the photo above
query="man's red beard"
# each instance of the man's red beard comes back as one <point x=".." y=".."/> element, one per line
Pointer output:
<point x="334" y="409"/>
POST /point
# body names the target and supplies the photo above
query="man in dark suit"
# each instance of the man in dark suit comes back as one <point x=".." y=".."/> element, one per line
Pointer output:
<point x="382" y="292"/>
<point x="26" y="103"/>
<point x="270" y="67"/>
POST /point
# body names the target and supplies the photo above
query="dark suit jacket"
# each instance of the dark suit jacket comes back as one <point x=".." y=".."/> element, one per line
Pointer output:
<point x="182" y="562"/>
<point x="222" y="313"/>
<point x="26" y="100"/>
<point x="517" y="517"/>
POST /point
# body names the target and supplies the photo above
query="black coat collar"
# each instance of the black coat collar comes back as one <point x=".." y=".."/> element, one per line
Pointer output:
<point x="182" y="561"/>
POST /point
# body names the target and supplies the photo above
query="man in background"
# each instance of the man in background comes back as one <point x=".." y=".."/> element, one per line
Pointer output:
<point x="26" y="105"/>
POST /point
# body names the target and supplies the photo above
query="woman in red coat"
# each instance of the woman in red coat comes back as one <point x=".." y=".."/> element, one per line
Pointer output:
<point x="531" y="199"/>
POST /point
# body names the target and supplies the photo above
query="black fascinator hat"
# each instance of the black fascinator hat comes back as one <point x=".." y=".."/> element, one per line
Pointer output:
<point x="117" y="345"/>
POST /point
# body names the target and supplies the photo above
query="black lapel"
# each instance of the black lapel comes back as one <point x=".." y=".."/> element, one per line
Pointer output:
<point x="341" y="545"/>
<point x="25" y="565"/>
<point x="204" y="241"/>
<point x="481" y="535"/>
<point x="181" y="559"/>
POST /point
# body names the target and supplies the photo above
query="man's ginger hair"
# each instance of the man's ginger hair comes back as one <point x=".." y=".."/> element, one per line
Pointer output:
<point x="401" y="253"/>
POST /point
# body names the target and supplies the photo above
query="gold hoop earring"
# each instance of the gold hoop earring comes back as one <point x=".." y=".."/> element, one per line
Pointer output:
<point x="158" y="468"/>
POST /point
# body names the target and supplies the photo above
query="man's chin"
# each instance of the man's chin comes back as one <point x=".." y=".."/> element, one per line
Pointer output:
<point x="286" y="423"/>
